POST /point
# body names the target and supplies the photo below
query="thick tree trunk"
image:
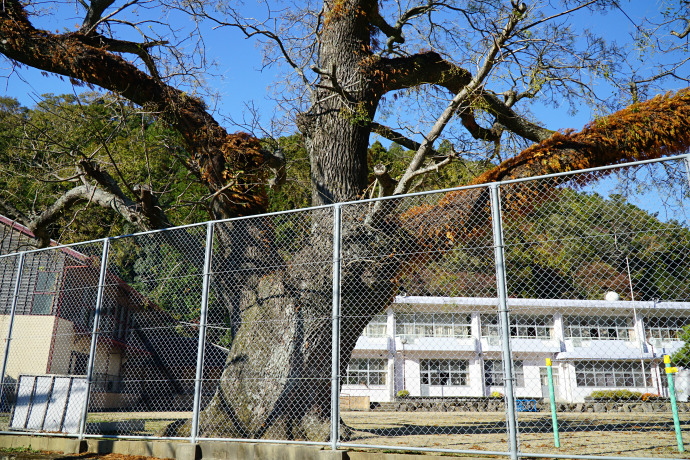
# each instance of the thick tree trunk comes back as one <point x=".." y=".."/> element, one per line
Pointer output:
<point x="277" y="381"/>
<point x="272" y="386"/>
<point x="337" y="127"/>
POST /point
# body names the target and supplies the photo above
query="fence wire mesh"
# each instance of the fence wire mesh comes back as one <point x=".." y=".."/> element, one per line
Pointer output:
<point x="411" y="352"/>
<point x="270" y="312"/>
<point x="599" y="274"/>
<point x="50" y="339"/>
<point x="226" y="330"/>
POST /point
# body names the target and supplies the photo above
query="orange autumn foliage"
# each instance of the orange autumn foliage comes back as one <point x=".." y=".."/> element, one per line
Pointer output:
<point x="652" y="129"/>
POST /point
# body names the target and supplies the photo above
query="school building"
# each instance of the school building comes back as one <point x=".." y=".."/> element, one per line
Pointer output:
<point x="451" y="346"/>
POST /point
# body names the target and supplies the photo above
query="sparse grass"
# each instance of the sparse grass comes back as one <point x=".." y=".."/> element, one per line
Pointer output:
<point x="18" y="450"/>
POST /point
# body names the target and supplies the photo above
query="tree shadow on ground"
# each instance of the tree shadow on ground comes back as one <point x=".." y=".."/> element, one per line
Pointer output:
<point x="540" y="425"/>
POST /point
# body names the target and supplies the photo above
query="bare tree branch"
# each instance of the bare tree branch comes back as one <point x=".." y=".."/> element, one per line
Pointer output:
<point x="386" y="182"/>
<point x="124" y="46"/>
<point x="464" y="95"/>
<point x="394" y="33"/>
<point x="85" y="194"/>
<point x="394" y="136"/>
<point x="685" y="31"/>
<point x="94" y="11"/>
<point x="431" y="68"/>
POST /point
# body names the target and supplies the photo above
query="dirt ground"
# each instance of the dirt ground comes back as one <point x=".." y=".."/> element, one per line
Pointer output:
<point x="609" y="434"/>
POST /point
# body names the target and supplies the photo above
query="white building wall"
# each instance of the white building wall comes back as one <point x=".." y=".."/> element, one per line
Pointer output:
<point x="476" y="386"/>
<point x="682" y="384"/>
<point x="403" y="359"/>
<point x="532" y="380"/>
<point x="411" y="375"/>
<point x="390" y="340"/>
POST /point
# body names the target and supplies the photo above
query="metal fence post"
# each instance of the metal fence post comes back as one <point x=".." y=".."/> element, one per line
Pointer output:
<point x="202" y="332"/>
<point x="687" y="169"/>
<point x="504" y="320"/>
<point x="335" y="335"/>
<point x="94" y="335"/>
<point x="13" y="309"/>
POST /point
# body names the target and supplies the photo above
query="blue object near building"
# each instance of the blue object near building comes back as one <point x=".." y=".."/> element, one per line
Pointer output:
<point x="526" y="405"/>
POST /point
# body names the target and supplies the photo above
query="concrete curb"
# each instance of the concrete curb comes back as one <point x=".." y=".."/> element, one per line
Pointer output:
<point x="179" y="450"/>
<point x="219" y="450"/>
<point x="44" y="443"/>
<point x="204" y="450"/>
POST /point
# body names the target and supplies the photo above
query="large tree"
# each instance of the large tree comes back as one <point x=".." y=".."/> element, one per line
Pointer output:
<point x="470" y="71"/>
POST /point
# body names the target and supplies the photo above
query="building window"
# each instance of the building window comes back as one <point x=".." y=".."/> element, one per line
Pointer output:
<point x="433" y="325"/>
<point x="521" y="326"/>
<point x="493" y="373"/>
<point x="376" y="327"/>
<point x="363" y="371"/>
<point x="665" y="328"/>
<point x="611" y="374"/>
<point x="531" y="327"/>
<point x="115" y="318"/>
<point x="448" y="372"/>
<point x="490" y="325"/>
<point x="44" y="293"/>
<point x="599" y="327"/>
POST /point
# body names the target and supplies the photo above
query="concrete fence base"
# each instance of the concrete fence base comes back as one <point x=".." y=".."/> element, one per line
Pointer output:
<point x="204" y="450"/>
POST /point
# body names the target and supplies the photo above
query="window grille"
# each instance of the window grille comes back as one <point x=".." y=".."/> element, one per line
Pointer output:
<point x="611" y="374"/>
<point x="448" y="372"/>
<point x="367" y="371"/>
<point x="599" y="327"/>
<point x="493" y="373"/>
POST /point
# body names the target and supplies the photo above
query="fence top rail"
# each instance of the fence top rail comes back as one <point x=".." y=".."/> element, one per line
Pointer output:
<point x="685" y="156"/>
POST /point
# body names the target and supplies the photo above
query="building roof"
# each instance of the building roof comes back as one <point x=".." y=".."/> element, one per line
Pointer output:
<point x="18" y="238"/>
<point x="543" y="303"/>
<point x="614" y="350"/>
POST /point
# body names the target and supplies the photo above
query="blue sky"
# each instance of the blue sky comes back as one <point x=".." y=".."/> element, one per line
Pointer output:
<point x="243" y="81"/>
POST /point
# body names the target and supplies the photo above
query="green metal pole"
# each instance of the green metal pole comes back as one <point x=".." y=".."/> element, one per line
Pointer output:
<point x="552" y="397"/>
<point x="674" y="404"/>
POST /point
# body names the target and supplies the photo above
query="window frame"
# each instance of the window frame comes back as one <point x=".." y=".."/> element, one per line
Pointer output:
<point x="669" y="332"/>
<point x="455" y="370"/>
<point x="489" y="325"/>
<point x="373" y="376"/>
<point x="615" y="374"/>
<point x="377" y="327"/>
<point x="602" y="325"/>
<point x="43" y="290"/>
<point x="493" y="373"/>
<point x="539" y="323"/>
<point x="422" y="324"/>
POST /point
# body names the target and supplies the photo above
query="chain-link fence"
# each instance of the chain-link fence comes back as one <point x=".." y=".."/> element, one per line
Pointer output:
<point x="538" y="317"/>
